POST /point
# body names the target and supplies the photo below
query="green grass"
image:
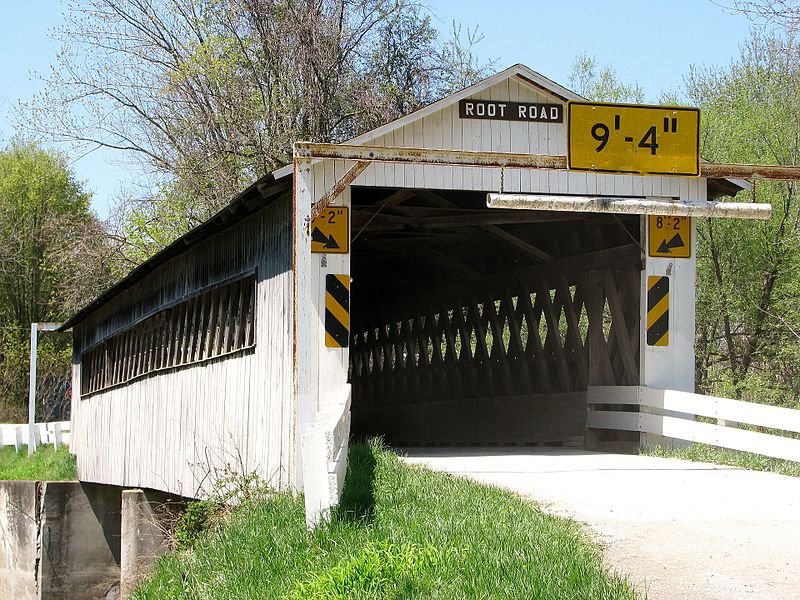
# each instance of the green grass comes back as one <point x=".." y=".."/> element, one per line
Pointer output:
<point x="723" y="456"/>
<point x="400" y="532"/>
<point x="46" y="464"/>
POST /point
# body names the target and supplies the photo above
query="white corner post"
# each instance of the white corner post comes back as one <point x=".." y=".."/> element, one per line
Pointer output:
<point x="35" y="329"/>
<point x="305" y="325"/>
<point x="322" y="422"/>
<point x="670" y="366"/>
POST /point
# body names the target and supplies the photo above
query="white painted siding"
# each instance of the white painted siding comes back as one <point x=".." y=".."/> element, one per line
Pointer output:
<point x="168" y="430"/>
<point x="445" y="129"/>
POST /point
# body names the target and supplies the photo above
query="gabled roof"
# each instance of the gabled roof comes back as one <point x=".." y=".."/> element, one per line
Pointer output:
<point x="529" y="76"/>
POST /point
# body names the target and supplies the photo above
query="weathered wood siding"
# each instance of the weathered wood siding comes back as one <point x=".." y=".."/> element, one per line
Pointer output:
<point x="176" y="430"/>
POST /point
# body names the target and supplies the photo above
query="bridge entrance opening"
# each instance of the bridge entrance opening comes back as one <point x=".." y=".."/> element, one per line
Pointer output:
<point x="474" y="326"/>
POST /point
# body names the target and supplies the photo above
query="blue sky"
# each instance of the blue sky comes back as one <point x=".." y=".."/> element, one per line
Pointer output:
<point x="652" y="43"/>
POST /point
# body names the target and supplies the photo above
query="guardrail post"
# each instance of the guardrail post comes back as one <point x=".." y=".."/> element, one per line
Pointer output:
<point x="57" y="435"/>
<point x="32" y="389"/>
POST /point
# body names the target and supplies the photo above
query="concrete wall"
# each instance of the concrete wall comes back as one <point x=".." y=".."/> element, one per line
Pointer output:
<point x="68" y="539"/>
<point x="19" y="524"/>
<point x="80" y="532"/>
<point x="147" y="517"/>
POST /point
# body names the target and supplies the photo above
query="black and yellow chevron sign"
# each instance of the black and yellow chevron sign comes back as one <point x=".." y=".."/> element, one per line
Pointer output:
<point x="337" y="311"/>
<point x="658" y="310"/>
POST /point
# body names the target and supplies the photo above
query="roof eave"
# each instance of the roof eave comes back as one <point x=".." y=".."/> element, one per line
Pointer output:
<point x="249" y="201"/>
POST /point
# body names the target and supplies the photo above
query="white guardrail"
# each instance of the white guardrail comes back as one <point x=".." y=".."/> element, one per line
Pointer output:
<point x="324" y="447"/>
<point x="672" y="414"/>
<point x="56" y="433"/>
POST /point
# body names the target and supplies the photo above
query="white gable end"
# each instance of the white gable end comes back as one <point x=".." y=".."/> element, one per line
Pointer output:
<point x="442" y="126"/>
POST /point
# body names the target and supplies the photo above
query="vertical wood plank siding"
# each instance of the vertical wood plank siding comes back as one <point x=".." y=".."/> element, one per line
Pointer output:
<point x="175" y="429"/>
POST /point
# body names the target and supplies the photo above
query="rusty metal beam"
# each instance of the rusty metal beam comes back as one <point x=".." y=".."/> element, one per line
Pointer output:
<point x="338" y="187"/>
<point x="471" y="158"/>
<point x="731" y="171"/>
<point x="429" y="156"/>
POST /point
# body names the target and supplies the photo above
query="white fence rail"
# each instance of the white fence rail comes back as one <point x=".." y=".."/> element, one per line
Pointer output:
<point x="324" y="447"/>
<point x="56" y="433"/>
<point x="670" y="413"/>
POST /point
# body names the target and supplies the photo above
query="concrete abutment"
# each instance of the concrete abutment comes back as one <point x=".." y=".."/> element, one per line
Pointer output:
<point x="76" y="540"/>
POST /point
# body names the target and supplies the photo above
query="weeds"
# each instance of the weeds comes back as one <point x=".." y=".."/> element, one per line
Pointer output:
<point x="724" y="456"/>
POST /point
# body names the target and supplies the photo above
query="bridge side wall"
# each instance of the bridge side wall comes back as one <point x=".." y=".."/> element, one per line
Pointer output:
<point x="178" y="429"/>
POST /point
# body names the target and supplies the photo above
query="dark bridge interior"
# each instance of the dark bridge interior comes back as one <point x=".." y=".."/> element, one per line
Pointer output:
<point x="482" y="326"/>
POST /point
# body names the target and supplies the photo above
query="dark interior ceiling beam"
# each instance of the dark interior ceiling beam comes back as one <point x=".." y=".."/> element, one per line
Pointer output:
<point x="518" y="242"/>
<point x="611" y="258"/>
<point x="496" y="231"/>
<point x="451" y="263"/>
<point x="393" y="199"/>
<point x="472" y="220"/>
<point x="412" y="239"/>
<point x="373" y="217"/>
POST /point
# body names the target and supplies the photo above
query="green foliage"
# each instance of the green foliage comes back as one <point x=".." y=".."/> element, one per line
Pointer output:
<point x="724" y="456"/>
<point x="55" y="257"/>
<point x="46" y="464"/>
<point x="601" y="84"/>
<point x="749" y="273"/>
<point x="194" y="521"/>
<point x="40" y="202"/>
<point x="400" y="532"/>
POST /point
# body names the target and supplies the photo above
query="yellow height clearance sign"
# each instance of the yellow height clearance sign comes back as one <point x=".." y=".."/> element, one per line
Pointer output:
<point x="633" y="138"/>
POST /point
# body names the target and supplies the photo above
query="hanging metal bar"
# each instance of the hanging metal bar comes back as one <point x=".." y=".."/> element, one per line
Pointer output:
<point x="628" y="205"/>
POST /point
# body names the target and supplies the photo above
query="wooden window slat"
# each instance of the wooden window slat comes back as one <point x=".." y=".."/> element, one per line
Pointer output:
<point x="217" y="322"/>
<point x="214" y="323"/>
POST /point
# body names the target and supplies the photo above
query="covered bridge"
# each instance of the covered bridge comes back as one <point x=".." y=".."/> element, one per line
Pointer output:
<point x="451" y="322"/>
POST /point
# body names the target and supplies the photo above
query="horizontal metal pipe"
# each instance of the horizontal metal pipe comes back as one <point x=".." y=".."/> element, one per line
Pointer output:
<point x="628" y="205"/>
<point x="471" y="158"/>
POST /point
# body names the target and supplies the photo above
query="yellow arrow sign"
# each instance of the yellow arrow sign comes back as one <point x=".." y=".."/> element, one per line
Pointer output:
<point x="669" y="237"/>
<point x="330" y="231"/>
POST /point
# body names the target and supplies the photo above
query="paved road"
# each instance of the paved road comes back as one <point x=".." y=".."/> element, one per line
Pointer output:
<point x="678" y="529"/>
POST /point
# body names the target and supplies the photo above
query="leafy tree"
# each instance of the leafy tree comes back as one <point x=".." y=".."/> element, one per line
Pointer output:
<point x="53" y="259"/>
<point x="601" y="84"/>
<point x="749" y="273"/>
<point x="210" y="95"/>
<point x="784" y="13"/>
